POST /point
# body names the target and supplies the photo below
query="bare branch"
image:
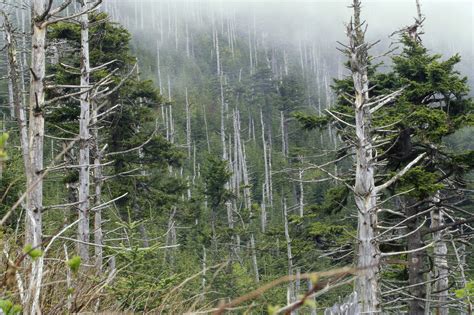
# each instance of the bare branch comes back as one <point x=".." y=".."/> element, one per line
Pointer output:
<point x="33" y="185"/>
<point x="259" y="291"/>
<point x="339" y="119"/>
<point x="59" y="9"/>
<point x="135" y="148"/>
<point x="70" y="17"/>
<point x="384" y="100"/>
<point x="408" y="251"/>
<point x="450" y="225"/>
<point x="399" y="174"/>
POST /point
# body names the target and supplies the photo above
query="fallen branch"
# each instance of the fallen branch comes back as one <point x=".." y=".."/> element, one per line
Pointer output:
<point x="258" y="292"/>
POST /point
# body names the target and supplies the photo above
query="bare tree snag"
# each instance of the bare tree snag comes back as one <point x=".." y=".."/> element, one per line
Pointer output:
<point x="84" y="143"/>
<point x="365" y="193"/>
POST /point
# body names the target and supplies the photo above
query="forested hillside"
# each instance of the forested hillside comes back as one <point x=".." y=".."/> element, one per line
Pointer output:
<point x="200" y="157"/>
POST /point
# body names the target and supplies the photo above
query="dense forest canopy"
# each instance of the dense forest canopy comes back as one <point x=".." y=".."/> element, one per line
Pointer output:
<point x="210" y="157"/>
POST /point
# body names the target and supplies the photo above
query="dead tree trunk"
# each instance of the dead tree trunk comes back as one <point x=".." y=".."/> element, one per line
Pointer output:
<point x="34" y="201"/>
<point x="18" y="105"/>
<point x="188" y="125"/>
<point x="254" y="258"/>
<point x="301" y="192"/>
<point x="416" y="259"/>
<point x="36" y="130"/>
<point x="11" y="102"/>
<point x="97" y="177"/>
<point x="84" y="135"/>
<point x="365" y="194"/>
<point x="290" y="292"/>
<point x="440" y="261"/>
<point x="284" y="134"/>
<point x="265" y="158"/>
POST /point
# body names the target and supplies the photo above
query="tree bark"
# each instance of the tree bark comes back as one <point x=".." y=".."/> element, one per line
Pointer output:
<point x="290" y="292"/>
<point x="188" y="125"/>
<point x="254" y="258"/>
<point x="34" y="201"/>
<point x="365" y="195"/>
<point x="440" y="261"/>
<point x="416" y="260"/>
<point x="84" y="136"/>
<point x="16" y="92"/>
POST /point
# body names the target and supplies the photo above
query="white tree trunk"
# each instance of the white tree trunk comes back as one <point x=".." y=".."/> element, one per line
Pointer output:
<point x="284" y="135"/>
<point x="34" y="202"/>
<point x="84" y="136"/>
<point x="188" y="125"/>
<point x="290" y="292"/>
<point x="301" y="196"/>
<point x="265" y="158"/>
<point x="263" y="206"/>
<point x="207" y="129"/>
<point x="223" y="112"/>
<point x="36" y="132"/>
<point x="158" y="69"/>
<point x="440" y="261"/>
<point x="16" y="91"/>
<point x="365" y="195"/>
<point x="11" y="103"/>
<point x="254" y="258"/>
<point x="97" y="175"/>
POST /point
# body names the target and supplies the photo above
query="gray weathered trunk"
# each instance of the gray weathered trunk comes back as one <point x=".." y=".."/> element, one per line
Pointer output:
<point x="188" y="125"/>
<point x="365" y="194"/>
<point x="416" y="258"/>
<point x="84" y="136"/>
<point x="290" y="292"/>
<point x="36" y="130"/>
<point x="16" y="92"/>
<point x="254" y="258"/>
<point x="440" y="262"/>
<point x="34" y="201"/>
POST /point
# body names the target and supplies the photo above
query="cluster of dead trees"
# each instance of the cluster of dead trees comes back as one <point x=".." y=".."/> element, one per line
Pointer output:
<point x="423" y="291"/>
<point x="28" y="53"/>
<point x="427" y="288"/>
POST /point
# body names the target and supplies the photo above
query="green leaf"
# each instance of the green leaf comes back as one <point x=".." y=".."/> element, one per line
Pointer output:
<point x="16" y="309"/>
<point x="9" y="308"/>
<point x="6" y="306"/>
<point x="3" y="141"/>
<point x="74" y="263"/>
<point x="33" y="253"/>
<point x="272" y="309"/>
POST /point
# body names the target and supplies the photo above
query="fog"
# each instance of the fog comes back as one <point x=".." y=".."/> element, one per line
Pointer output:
<point x="290" y="25"/>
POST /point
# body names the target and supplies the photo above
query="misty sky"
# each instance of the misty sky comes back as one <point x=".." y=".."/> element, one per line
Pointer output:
<point x="449" y="24"/>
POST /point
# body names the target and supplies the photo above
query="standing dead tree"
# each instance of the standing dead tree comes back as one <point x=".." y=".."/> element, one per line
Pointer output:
<point x="365" y="190"/>
<point x="365" y="194"/>
<point x="84" y="134"/>
<point x="43" y="14"/>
